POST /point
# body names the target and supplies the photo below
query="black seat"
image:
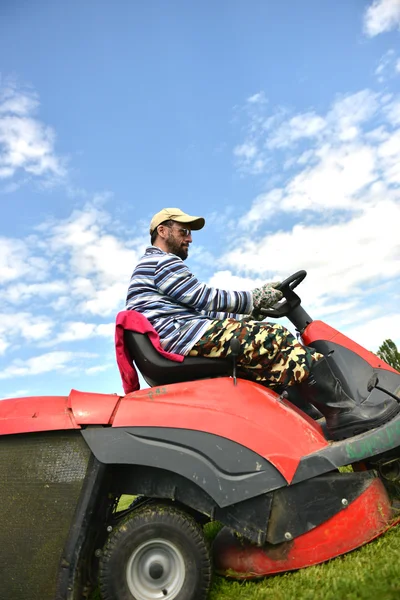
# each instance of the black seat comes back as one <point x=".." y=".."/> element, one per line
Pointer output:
<point x="158" y="370"/>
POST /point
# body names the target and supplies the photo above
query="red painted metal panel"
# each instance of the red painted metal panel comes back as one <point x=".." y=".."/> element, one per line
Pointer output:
<point x="366" y="518"/>
<point x="38" y="413"/>
<point x="92" y="409"/>
<point x="318" y="330"/>
<point x="248" y="413"/>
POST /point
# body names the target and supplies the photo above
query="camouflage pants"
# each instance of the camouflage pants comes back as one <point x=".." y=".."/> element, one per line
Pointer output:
<point x="269" y="353"/>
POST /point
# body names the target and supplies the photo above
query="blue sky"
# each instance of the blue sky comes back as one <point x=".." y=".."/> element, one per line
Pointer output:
<point x="279" y="122"/>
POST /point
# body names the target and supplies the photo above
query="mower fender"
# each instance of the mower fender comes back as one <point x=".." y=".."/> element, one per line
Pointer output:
<point x="226" y="471"/>
<point x="318" y="332"/>
<point x="37" y="413"/>
<point x="248" y="414"/>
<point x="92" y="409"/>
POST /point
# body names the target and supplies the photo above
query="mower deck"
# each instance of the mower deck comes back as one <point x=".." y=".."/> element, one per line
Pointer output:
<point x="363" y="520"/>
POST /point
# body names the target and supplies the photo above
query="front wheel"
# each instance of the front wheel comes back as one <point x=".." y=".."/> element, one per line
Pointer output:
<point x="157" y="553"/>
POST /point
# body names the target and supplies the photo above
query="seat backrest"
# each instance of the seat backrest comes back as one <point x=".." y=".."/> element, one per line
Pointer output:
<point x="158" y="370"/>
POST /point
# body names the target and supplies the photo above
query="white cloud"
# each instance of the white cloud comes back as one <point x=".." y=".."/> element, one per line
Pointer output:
<point x="106" y="329"/>
<point x="383" y="62"/>
<point x="381" y="16"/>
<point x="249" y="158"/>
<point x="393" y="112"/>
<point x="25" y="326"/>
<point x="16" y="102"/>
<point x="16" y="261"/>
<point x="26" y="144"/>
<point x="298" y="127"/>
<point x="38" y="328"/>
<point x="20" y="293"/>
<point x="257" y="98"/>
<point x="82" y="287"/>
<point x="98" y="369"/>
<point x="12" y="259"/>
<point x="3" y="345"/>
<point x="266" y="133"/>
<point x="92" y="249"/>
<point x="389" y="158"/>
<point x="53" y="279"/>
<point x="352" y="157"/>
<point x="388" y="66"/>
<point x="340" y="174"/>
<point x="225" y="280"/>
<point x="247" y="151"/>
<point x="107" y="300"/>
<point x="350" y="111"/>
<point x="99" y="262"/>
<point x="343" y="255"/>
<point x="378" y="329"/>
<point x="44" y="363"/>
<point x="80" y="264"/>
<point x="333" y="183"/>
<point x="73" y="331"/>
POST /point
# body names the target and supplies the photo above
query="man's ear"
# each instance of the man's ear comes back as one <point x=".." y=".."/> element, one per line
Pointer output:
<point x="162" y="231"/>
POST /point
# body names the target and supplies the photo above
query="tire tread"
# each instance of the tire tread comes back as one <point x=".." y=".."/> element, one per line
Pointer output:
<point x="151" y="515"/>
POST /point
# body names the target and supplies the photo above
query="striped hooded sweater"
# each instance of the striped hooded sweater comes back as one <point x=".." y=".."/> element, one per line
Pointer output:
<point x="178" y="306"/>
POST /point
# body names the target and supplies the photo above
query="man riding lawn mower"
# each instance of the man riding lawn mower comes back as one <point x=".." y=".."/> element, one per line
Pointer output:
<point x="193" y="319"/>
<point x="215" y="437"/>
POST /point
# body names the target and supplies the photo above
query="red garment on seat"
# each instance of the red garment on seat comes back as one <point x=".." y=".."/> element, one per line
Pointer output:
<point x="134" y="321"/>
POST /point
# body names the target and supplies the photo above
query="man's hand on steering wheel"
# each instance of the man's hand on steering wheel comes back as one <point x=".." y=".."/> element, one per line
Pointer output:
<point x="265" y="297"/>
<point x="291" y="299"/>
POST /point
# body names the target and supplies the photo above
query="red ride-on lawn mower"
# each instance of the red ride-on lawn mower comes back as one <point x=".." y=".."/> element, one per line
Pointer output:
<point x="198" y="445"/>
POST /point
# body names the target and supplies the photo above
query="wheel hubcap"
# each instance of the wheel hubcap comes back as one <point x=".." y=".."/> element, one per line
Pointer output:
<point x="155" y="570"/>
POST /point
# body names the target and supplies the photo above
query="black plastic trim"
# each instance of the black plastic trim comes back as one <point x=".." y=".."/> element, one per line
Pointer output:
<point x="74" y="567"/>
<point x="249" y="518"/>
<point x="225" y="470"/>
<point x="299" y="508"/>
<point x="375" y="442"/>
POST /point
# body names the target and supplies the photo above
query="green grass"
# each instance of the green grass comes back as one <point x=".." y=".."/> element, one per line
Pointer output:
<point x="124" y="502"/>
<point x="369" y="573"/>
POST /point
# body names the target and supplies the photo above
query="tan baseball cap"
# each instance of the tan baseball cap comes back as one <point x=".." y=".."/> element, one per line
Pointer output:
<point x="176" y="214"/>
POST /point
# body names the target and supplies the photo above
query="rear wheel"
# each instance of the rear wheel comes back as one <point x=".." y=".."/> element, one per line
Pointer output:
<point x="157" y="553"/>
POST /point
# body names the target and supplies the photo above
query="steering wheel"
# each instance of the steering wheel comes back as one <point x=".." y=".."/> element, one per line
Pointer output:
<point x="291" y="299"/>
<point x="292" y="281"/>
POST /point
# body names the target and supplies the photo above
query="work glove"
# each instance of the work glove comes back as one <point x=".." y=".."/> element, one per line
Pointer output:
<point x="265" y="297"/>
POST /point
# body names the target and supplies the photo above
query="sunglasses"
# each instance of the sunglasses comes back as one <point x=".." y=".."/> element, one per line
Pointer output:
<point x="183" y="231"/>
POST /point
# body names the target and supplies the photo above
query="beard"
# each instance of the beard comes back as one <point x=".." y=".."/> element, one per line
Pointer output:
<point x="180" y="249"/>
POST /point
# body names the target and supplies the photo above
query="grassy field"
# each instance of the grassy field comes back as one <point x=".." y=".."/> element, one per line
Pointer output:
<point x="369" y="573"/>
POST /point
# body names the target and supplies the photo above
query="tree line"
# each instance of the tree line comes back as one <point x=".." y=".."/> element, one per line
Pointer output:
<point x="389" y="353"/>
